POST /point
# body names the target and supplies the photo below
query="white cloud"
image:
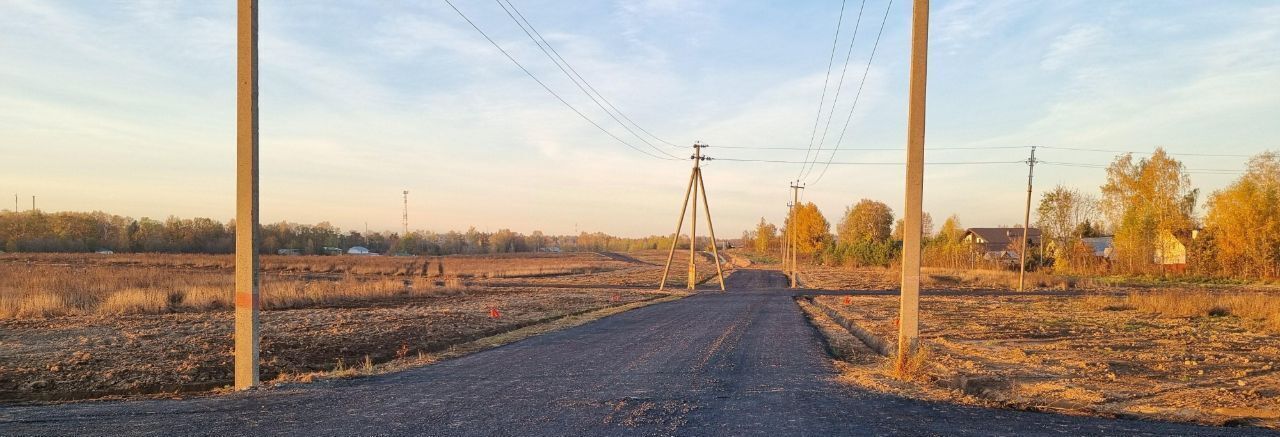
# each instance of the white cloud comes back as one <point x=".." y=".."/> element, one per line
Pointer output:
<point x="1071" y="46"/>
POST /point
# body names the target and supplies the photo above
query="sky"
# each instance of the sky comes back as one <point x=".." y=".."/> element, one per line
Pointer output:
<point x="129" y="106"/>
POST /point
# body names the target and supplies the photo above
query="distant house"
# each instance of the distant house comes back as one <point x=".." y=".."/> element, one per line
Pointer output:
<point x="995" y="240"/>
<point x="1170" y="251"/>
<point x="100" y="252"/>
<point x="1101" y="247"/>
<point x="289" y="252"/>
<point x="1006" y="257"/>
<point x="359" y="250"/>
<point x="328" y="250"/>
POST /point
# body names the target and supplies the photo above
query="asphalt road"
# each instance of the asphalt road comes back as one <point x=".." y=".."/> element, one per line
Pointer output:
<point x="738" y="363"/>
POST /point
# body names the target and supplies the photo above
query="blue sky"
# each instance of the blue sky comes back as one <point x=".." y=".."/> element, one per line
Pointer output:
<point x="128" y="106"/>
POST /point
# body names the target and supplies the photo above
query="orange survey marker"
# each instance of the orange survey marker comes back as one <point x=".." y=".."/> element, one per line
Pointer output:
<point x="616" y="297"/>
<point x="493" y="313"/>
<point x="848" y="300"/>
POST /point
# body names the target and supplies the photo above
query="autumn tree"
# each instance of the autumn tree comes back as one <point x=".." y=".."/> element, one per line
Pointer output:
<point x="764" y="236"/>
<point x="1064" y="217"/>
<point x="1244" y="220"/>
<point x="926" y="227"/>
<point x="863" y="236"/>
<point x="866" y="221"/>
<point x="946" y="248"/>
<point x="812" y="230"/>
<point x="1147" y="202"/>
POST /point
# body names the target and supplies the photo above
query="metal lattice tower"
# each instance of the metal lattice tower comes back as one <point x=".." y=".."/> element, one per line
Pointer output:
<point x="404" y="215"/>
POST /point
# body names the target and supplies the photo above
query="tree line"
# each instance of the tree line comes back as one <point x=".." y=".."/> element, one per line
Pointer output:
<point x="1147" y="207"/>
<point x="38" y="231"/>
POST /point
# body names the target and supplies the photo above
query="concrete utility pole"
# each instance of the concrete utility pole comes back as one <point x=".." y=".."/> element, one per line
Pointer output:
<point x="786" y="245"/>
<point x="1026" y="221"/>
<point x="909" y="310"/>
<point x="15" y="203"/>
<point x="33" y="203"/>
<point x="246" y="300"/>
<point x="695" y="185"/>
<point x="404" y="217"/>
<point x="795" y="236"/>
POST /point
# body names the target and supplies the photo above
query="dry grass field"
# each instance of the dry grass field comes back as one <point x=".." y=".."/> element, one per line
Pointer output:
<point x="934" y="278"/>
<point x="45" y="285"/>
<point x="1078" y="346"/>
<point x="89" y="326"/>
<point x="1172" y="355"/>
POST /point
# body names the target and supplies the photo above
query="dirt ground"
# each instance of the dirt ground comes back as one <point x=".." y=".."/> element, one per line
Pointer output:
<point x="1057" y="351"/>
<point x="641" y="269"/>
<point x="81" y="357"/>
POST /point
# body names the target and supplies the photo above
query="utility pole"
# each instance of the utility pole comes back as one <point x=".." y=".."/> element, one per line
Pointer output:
<point x="693" y="219"/>
<point x="795" y="235"/>
<point x="15" y="203"/>
<point x="786" y="245"/>
<point x="247" y="298"/>
<point x="33" y="203"/>
<point x="1026" y="221"/>
<point x="691" y="192"/>
<point x="404" y="217"/>
<point x="909" y="309"/>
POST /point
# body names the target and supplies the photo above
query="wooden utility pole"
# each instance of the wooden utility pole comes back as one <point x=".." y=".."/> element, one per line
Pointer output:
<point x="695" y="185"/>
<point x="795" y="235"/>
<point x="1026" y="222"/>
<point x="909" y="310"/>
<point x="711" y="227"/>
<point x="246" y="294"/>
<point x="693" y="220"/>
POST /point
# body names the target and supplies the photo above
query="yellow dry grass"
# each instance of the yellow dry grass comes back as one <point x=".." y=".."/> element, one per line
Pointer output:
<point x="46" y="285"/>
<point x="48" y="290"/>
<point x="909" y="366"/>
<point x="1259" y="308"/>
<point x="136" y="301"/>
<point x="466" y="266"/>
<point x="36" y="305"/>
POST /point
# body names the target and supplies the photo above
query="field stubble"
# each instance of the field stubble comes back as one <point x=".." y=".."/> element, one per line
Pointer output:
<point x="1153" y="355"/>
<point x="85" y="326"/>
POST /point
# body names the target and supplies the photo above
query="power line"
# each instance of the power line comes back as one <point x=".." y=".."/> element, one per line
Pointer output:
<point x="858" y="96"/>
<point x="579" y="80"/>
<point x="1085" y="149"/>
<point x="547" y="88"/>
<point x="839" y="87"/>
<point x="835" y="42"/>
<point x="873" y="148"/>
<point x="1223" y="171"/>
<point x="779" y="161"/>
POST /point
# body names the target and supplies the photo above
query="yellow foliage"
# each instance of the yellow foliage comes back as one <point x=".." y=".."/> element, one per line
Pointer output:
<point x="1244" y="219"/>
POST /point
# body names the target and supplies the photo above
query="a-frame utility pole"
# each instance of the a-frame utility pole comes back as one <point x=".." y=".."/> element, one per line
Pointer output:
<point x="795" y="235"/>
<point x="695" y="185"/>
<point x="246" y="293"/>
<point x="1026" y="221"/>
<point x="909" y="310"/>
